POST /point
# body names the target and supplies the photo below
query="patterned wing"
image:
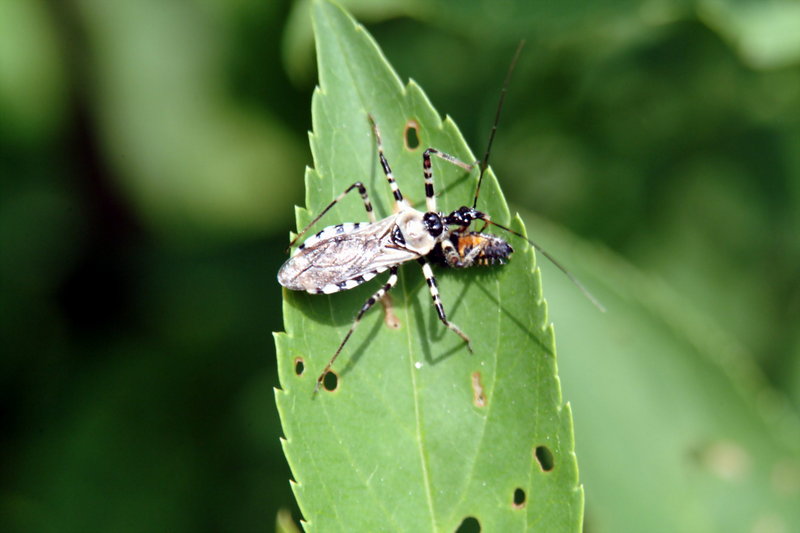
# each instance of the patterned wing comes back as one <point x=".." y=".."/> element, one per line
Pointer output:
<point x="342" y="257"/>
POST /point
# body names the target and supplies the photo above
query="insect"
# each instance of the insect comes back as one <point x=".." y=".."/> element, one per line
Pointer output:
<point x="473" y="248"/>
<point x="345" y="255"/>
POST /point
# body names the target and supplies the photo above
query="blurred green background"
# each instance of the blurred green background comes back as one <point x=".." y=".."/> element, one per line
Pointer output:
<point x="151" y="154"/>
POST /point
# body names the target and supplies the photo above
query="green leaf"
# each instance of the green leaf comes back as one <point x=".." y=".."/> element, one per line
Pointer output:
<point x="402" y="444"/>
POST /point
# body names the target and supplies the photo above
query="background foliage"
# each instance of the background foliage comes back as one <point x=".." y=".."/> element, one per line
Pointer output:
<point x="151" y="153"/>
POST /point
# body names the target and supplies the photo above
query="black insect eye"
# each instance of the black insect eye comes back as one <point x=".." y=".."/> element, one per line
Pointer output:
<point x="433" y="224"/>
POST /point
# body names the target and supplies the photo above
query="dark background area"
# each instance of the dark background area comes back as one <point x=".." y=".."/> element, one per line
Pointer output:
<point x="151" y="154"/>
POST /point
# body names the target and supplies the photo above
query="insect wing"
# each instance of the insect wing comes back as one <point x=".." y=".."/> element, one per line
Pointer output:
<point x="343" y="261"/>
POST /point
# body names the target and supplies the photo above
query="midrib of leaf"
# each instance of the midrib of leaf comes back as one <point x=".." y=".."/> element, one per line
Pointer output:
<point x="417" y="414"/>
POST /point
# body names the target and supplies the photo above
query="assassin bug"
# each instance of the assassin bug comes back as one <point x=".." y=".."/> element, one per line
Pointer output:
<point x="344" y="256"/>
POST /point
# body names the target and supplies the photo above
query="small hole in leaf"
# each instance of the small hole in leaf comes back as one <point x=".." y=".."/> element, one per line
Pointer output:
<point x="330" y="381"/>
<point x="519" y="498"/>
<point x="545" y="458"/>
<point x="469" y="525"/>
<point x="299" y="366"/>
<point x="411" y="135"/>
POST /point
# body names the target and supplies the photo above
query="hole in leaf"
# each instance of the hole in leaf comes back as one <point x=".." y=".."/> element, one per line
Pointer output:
<point x="478" y="398"/>
<point x="330" y="381"/>
<point x="411" y="135"/>
<point x="519" y="498"/>
<point x="545" y="458"/>
<point x="469" y="525"/>
<point x="299" y="366"/>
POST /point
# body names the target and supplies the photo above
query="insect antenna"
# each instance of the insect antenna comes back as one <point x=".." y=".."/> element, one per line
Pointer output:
<point x="485" y="162"/>
<point x="555" y="262"/>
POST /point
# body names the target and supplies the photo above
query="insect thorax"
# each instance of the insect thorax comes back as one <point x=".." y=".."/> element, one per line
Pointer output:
<point x="415" y="231"/>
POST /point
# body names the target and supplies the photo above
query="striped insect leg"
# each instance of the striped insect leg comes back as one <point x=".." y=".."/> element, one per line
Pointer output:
<point x="362" y="190"/>
<point x="430" y="194"/>
<point x="437" y="302"/>
<point x="400" y="202"/>
<point x="364" y="308"/>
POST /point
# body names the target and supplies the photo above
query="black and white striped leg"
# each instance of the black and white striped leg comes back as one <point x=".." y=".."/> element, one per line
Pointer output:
<point x="362" y="190"/>
<point x="430" y="195"/>
<point x="437" y="302"/>
<point x="387" y="170"/>
<point x="364" y="308"/>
